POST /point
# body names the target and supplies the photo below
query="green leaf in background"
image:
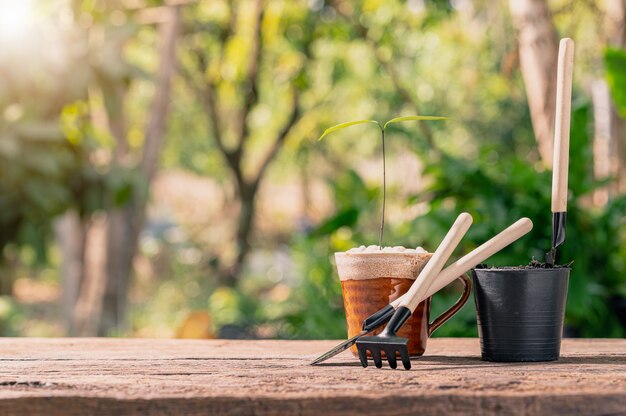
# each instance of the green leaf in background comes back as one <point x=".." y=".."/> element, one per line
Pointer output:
<point x="413" y="118"/>
<point x="348" y="124"/>
<point x="345" y="218"/>
<point x="615" y="63"/>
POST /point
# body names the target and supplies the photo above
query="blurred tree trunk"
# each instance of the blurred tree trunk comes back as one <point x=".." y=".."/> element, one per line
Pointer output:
<point x="616" y="32"/>
<point x="538" y="50"/>
<point x="9" y="260"/>
<point x="615" y="22"/>
<point x="247" y="189"/>
<point x="125" y="223"/>
<point x="88" y="306"/>
<point x="609" y="145"/>
<point x="601" y="100"/>
<point x="6" y="278"/>
<point x="246" y="185"/>
<point x="71" y="233"/>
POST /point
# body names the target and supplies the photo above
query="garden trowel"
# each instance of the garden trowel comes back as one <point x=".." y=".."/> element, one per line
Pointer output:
<point x="561" y="146"/>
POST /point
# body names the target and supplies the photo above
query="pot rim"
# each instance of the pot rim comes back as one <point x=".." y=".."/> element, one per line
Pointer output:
<point x="523" y="270"/>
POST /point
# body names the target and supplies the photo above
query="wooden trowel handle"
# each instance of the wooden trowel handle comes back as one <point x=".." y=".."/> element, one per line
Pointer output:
<point x="476" y="256"/>
<point x="512" y="233"/>
<point x="430" y="272"/>
<point x="560" y="161"/>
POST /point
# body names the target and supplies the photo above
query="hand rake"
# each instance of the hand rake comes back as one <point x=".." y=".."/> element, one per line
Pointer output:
<point x="388" y="342"/>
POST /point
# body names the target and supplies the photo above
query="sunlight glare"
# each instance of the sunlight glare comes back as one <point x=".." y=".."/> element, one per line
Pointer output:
<point x="16" y="18"/>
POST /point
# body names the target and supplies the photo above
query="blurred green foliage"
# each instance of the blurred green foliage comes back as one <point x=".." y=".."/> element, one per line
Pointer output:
<point x="370" y="59"/>
<point x="497" y="188"/>
<point x="615" y="64"/>
<point x="47" y="133"/>
<point x="44" y="166"/>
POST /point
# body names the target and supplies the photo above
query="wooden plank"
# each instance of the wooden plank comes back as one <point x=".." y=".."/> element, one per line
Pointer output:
<point x="108" y="376"/>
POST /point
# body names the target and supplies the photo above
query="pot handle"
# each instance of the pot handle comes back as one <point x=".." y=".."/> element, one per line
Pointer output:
<point x="441" y="319"/>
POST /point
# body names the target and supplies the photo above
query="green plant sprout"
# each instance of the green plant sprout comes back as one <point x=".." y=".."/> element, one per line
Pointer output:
<point x="382" y="128"/>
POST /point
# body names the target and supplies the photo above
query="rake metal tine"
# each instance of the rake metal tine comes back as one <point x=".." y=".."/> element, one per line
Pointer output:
<point x="391" y="357"/>
<point x="362" y="355"/>
<point x="378" y="362"/>
<point x="406" y="361"/>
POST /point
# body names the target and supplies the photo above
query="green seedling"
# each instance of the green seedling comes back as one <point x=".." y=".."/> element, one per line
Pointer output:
<point x="382" y="128"/>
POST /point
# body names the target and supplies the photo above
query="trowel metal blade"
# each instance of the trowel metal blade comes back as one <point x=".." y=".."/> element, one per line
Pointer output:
<point x="558" y="235"/>
<point x="558" y="228"/>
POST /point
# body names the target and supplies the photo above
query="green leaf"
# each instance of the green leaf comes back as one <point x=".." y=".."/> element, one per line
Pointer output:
<point x="347" y="218"/>
<point x="413" y="118"/>
<point x="615" y="64"/>
<point x="348" y="124"/>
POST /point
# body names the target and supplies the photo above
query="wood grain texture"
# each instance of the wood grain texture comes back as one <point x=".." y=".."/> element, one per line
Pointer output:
<point x="178" y="377"/>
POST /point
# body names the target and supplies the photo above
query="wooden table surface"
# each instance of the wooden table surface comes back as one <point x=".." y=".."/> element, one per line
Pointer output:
<point x="176" y="377"/>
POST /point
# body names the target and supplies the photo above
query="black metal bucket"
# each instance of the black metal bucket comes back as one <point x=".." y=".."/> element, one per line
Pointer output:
<point x="520" y="312"/>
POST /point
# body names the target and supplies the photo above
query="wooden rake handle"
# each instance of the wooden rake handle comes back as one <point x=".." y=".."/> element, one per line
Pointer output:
<point x="560" y="161"/>
<point x="432" y="269"/>
<point x="517" y="230"/>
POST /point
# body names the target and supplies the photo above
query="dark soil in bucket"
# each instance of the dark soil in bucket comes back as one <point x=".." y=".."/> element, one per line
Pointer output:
<point x="534" y="264"/>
